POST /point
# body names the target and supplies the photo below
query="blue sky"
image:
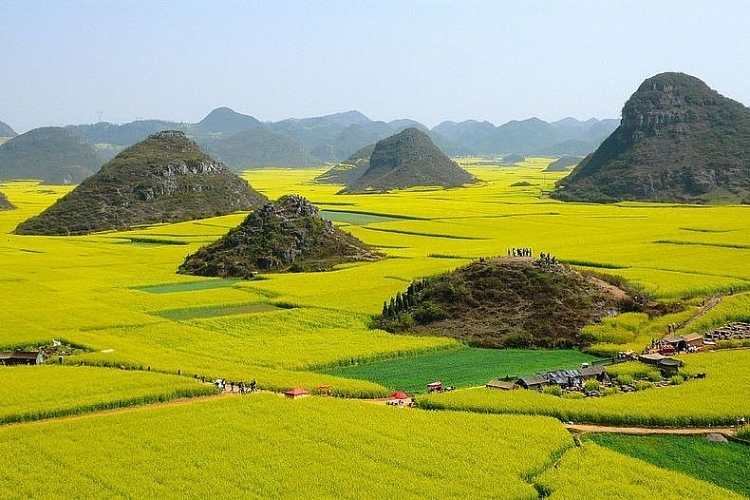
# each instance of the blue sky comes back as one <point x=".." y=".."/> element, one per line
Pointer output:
<point x="77" y="61"/>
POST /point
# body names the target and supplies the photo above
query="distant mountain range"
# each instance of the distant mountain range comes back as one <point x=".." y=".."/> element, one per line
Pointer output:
<point x="242" y="141"/>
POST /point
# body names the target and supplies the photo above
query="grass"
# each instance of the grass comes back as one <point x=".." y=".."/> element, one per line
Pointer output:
<point x="463" y="367"/>
<point x="723" y="464"/>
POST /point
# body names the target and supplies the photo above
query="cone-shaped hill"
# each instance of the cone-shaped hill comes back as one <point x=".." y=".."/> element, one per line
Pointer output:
<point x="6" y="130"/>
<point x="38" y="152"/>
<point x="5" y="204"/>
<point x="678" y="141"/>
<point x="288" y="235"/>
<point x="505" y="302"/>
<point x="348" y="170"/>
<point x="408" y="159"/>
<point x="164" y="178"/>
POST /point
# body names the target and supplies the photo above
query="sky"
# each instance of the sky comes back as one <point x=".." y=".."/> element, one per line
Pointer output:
<point x="85" y="61"/>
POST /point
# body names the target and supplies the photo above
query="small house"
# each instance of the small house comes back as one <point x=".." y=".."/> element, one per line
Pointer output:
<point x="534" y="382"/>
<point x="693" y="340"/>
<point x="564" y="378"/>
<point x="505" y="385"/>
<point x="297" y="392"/>
<point x="651" y="359"/>
<point x="10" y="358"/>
<point x="596" y="372"/>
<point x="435" y="387"/>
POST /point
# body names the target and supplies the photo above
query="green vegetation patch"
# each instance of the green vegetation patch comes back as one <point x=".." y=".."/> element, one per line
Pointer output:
<point x="462" y="368"/>
<point x="213" y="311"/>
<point x="723" y="464"/>
<point x="190" y="286"/>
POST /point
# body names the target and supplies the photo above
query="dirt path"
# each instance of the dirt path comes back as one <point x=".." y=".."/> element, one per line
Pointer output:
<point x="643" y="431"/>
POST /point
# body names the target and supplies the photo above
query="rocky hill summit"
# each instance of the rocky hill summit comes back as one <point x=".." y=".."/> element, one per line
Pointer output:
<point x="505" y="302"/>
<point x="408" y="159"/>
<point x="165" y="178"/>
<point x="38" y="152"/>
<point x="678" y="141"/>
<point x="5" y="204"/>
<point x="288" y="235"/>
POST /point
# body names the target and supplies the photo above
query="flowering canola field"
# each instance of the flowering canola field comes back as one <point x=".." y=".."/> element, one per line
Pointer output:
<point x="117" y="295"/>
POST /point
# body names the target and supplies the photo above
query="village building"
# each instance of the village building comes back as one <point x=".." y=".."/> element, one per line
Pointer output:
<point x="10" y="358"/>
<point x="596" y="372"/>
<point x="534" y="382"/>
<point x="505" y="385"/>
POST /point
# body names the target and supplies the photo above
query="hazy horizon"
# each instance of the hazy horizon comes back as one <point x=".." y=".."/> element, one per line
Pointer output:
<point x="85" y="61"/>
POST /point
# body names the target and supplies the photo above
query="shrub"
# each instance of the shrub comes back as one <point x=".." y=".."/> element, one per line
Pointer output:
<point x="744" y="432"/>
<point x="574" y="395"/>
<point x="554" y="390"/>
<point x="591" y="385"/>
<point x="610" y="391"/>
<point x="676" y="379"/>
<point x="625" y="379"/>
<point x="643" y="385"/>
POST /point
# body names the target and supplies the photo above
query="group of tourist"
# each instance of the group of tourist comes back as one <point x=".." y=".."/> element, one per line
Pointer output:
<point x="242" y="388"/>
<point x="520" y="252"/>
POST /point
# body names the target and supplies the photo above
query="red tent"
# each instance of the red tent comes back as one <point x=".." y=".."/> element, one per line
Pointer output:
<point x="400" y="395"/>
<point x="297" y="392"/>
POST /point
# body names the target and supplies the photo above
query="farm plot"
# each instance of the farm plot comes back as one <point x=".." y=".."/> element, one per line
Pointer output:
<point x="591" y="472"/>
<point x="686" y="405"/>
<point x="261" y="446"/>
<point x="723" y="464"/>
<point x="464" y="367"/>
<point x="47" y="391"/>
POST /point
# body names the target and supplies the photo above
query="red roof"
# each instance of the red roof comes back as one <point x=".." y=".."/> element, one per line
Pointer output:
<point x="400" y="395"/>
<point x="297" y="391"/>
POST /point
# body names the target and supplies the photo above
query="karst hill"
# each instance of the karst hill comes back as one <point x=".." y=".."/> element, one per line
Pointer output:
<point x="286" y="235"/>
<point x="42" y="152"/>
<point x="678" y="141"/>
<point x="505" y="302"/>
<point x="5" y="204"/>
<point x="348" y="170"/>
<point x="6" y="130"/>
<point x="165" y="178"/>
<point x="405" y="160"/>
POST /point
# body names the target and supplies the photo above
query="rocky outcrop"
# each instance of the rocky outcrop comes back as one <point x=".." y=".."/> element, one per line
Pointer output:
<point x="405" y="160"/>
<point x="288" y="235"/>
<point x="165" y="178"/>
<point x="678" y="141"/>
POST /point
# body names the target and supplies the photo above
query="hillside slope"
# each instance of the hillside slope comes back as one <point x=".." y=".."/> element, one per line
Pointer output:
<point x="165" y="178"/>
<point x="39" y="152"/>
<point x="288" y="235"/>
<point x="408" y="159"/>
<point x="678" y="141"/>
<point x="504" y="302"/>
